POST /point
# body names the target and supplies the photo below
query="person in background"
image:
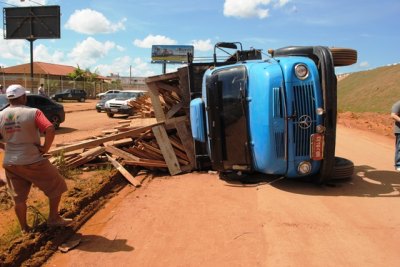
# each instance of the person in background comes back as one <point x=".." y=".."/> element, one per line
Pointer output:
<point x="24" y="163"/>
<point x="1" y="89"/>
<point x="396" y="117"/>
<point x="41" y="90"/>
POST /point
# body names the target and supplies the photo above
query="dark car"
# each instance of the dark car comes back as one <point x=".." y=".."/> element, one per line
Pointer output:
<point x="70" y="94"/>
<point x="53" y="111"/>
<point x="102" y="101"/>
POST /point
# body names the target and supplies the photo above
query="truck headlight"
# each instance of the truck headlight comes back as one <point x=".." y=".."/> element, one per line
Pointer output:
<point x="301" y="71"/>
<point x="304" y="167"/>
<point x="320" y="111"/>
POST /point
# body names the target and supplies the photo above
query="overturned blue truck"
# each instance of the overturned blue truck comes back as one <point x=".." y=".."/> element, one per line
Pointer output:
<point x="275" y="116"/>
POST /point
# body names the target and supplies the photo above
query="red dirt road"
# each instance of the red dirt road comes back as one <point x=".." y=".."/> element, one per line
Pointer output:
<point x="199" y="220"/>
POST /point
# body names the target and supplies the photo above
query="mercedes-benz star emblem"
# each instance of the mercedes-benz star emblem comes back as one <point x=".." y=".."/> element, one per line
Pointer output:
<point x="305" y="122"/>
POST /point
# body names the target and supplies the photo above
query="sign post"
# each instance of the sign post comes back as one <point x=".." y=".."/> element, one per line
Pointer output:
<point x="31" y="23"/>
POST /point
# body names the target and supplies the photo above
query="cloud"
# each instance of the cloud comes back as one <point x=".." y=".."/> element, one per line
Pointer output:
<point x="13" y="49"/>
<point x="246" y="8"/>
<point x="202" y="45"/>
<point x="281" y="3"/>
<point x="364" y="64"/>
<point x="88" y="21"/>
<point x="42" y="54"/>
<point x="89" y="51"/>
<point x="153" y="40"/>
<point x="251" y="8"/>
<point x="124" y="66"/>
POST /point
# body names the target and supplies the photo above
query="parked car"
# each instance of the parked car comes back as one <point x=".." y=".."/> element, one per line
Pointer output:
<point x="100" y="95"/>
<point x="119" y="105"/>
<point x="70" y="94"/>
<point x="100" y="104"/>
<point x="53" y="111"/>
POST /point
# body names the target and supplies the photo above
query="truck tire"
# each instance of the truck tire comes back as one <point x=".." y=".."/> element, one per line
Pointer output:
<point x="343" y="56"/>
<point x="110" y="115"/>
<point x="343" y="169"/>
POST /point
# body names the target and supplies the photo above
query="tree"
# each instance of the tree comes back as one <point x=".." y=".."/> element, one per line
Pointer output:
<point x="77" y="75"/>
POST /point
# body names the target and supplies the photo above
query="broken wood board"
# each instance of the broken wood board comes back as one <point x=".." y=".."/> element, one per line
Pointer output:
<point x="166" y="148"/>
<point x="131" y="133"/>
<point x="124" y="172"/>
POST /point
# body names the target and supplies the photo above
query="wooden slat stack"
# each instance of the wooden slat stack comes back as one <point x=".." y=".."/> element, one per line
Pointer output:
<point x="165" y="145"/>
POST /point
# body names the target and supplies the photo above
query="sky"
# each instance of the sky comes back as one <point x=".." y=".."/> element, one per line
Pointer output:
<point x="106" y="37"/>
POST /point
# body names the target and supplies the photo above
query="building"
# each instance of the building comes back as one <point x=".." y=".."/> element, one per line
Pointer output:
<point x="55" y="78"/>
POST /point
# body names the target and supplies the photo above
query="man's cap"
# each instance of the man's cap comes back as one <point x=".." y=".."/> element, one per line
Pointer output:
<point x="15" y="91"/>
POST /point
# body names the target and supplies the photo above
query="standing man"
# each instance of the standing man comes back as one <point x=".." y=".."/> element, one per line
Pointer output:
<point x="41" y="90"/>
<point x="24" y="163"/>
<point x="396" y="117"/>
<point x="1" y="89"/>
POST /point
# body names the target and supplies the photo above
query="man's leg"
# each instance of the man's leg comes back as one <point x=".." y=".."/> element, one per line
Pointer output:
<point x="54" y="218"/>
<point x="20" y="210"/>
<point x="53" y="208"/>
<point x="397" y="152"/>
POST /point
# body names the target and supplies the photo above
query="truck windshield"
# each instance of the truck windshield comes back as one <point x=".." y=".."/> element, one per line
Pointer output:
<point x="227" y="103"/>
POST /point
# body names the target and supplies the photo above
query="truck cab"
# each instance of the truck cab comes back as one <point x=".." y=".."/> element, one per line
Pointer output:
<point x="274" y="116"/>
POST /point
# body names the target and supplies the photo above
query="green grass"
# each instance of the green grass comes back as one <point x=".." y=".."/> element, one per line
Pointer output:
<point x="370" y="91"/>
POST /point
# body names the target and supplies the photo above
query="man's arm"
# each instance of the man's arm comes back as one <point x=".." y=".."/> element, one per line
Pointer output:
<point x="49" y="134"/>
<point x="2" y="182"/>
<point x="395" y="116"/>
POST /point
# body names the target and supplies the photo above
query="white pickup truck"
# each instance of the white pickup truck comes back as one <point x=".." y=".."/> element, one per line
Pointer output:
<point x="119" y="105"/>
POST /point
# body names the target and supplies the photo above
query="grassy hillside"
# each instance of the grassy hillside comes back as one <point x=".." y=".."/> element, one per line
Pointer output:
<point x="370" y="91"/>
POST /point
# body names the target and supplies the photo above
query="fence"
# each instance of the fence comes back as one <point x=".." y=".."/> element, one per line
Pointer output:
<point x="53" y="86"/>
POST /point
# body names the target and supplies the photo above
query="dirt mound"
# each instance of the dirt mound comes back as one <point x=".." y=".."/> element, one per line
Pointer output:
<point x="368" y="121"/>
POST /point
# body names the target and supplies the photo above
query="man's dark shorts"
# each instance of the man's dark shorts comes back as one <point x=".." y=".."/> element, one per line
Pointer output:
<point x="42" y="174"/>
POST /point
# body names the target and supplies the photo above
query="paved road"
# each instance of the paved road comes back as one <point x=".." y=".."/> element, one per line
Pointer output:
<point x="200" y="220"/>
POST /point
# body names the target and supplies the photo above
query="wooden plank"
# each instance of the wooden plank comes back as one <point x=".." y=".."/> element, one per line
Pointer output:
<point x="170" y="123"/>
<point x="173" y="110"/>
<point x="175" y="143"/>
<point x="131" y="133"/>
<point x="184" y="86"/>
<point x="122" y="142"/>
<point x="162" y="77"/>
<point x="166" y="148"/>
<point x="167" y="87"/>
<point x="86" y="156"/>
<point x="187" y="141"/>
<point x="124" y="172"/>
<point x="120" y="153"/>
<point x="156" y="164"/>
<point x="155" y="100"/>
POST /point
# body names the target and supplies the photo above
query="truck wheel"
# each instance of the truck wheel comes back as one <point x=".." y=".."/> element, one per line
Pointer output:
<point x="82" y="99"/>
<point x="343" y="56"/>
<point x="343" y="169"/>
<point x="110" y="115"/>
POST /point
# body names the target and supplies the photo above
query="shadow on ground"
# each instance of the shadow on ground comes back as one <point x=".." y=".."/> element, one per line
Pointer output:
<point x="365" y="182"/>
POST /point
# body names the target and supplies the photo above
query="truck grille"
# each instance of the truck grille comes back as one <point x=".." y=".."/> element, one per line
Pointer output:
<point x="304" y="122"/>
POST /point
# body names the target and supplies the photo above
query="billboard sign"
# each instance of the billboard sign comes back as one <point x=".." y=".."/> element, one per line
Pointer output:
<point x="34" y="22"/>
<point x="171" y="53"/>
